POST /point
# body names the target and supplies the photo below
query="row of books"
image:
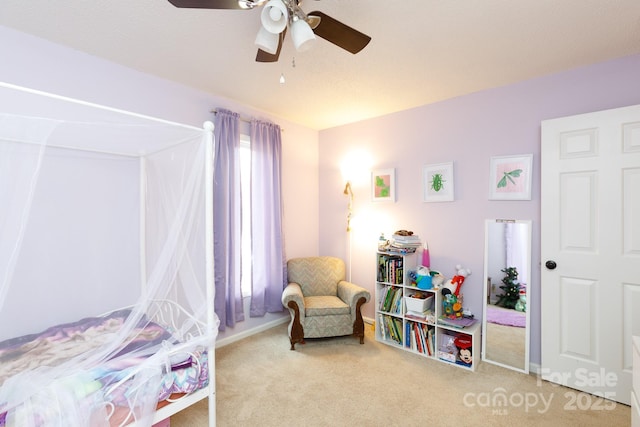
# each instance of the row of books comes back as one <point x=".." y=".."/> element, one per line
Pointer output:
<point x="391" y="328"/>
<point x="420" y="338"/>
<point x="391" y="300"/>
<point x="390" y="270"/>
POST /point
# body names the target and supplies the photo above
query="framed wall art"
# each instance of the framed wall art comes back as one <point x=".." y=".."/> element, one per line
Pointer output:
<point x="438" y="183"/>
<point x="510" y="177"/>
<point x="383" y="185"/>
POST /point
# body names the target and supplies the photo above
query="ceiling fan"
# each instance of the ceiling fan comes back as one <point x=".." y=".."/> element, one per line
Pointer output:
<point x="280" y="15"/>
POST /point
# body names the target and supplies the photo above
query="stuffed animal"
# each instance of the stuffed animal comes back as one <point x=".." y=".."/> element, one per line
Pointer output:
<point x="454" y="285"/>
<point x="521" y="305"/>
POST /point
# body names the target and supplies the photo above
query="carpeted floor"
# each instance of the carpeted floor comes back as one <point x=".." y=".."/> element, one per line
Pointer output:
<point x="338" y="382"/>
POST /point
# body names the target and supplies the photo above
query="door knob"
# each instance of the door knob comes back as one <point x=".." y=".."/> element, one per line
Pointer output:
<point x="551" y="265"/>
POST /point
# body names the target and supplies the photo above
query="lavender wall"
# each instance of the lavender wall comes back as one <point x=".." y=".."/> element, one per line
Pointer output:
<point x="467" y="130"/>
<point x="38" y="64"/>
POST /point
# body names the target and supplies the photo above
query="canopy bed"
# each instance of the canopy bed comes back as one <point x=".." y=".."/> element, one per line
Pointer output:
<point x="106" y="264"/>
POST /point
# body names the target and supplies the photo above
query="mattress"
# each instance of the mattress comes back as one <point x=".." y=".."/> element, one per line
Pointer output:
<point x="183" y="372"/>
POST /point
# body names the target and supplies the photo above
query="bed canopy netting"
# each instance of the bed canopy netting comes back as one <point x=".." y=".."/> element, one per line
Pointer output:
<point x="106" y="264"/>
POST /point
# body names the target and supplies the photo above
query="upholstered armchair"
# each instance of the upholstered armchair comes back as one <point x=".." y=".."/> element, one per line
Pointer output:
<point x="321" y="302"/>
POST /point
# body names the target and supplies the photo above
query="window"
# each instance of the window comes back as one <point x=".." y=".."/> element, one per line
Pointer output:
<point x="245" y="185"/>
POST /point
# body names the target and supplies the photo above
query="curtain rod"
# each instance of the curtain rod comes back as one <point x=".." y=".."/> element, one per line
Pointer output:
<point x="242" y="119"/>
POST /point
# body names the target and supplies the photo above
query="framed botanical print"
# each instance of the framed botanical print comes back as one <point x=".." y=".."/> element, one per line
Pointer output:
<point x="383" y="185"/>
<point x="438" y="183"/>
<point x="510" y="177"/>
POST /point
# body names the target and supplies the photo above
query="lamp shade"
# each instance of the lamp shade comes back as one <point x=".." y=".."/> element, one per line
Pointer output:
<point x="302" y="35"/>
<point x="274" y="16"/>
<point x="267" y="41"/>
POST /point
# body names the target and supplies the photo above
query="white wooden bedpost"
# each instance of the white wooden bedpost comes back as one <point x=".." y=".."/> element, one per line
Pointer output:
<point x="143" y="224"/>
<point x="211" y="323"/>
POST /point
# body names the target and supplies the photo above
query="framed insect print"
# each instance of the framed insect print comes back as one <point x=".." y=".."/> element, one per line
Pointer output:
<point x="510" y="177"/>
<point x="437" y="182"/>
<point x="383" y="185"/>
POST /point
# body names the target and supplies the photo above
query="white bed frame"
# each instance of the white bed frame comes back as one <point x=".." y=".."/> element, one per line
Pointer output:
<point x="167" y="313"/>
<point x="170" y="310"/>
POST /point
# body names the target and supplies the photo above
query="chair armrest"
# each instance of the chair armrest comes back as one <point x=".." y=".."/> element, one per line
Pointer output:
<point x="293" y="292"/>
<point x="351" y="293"/>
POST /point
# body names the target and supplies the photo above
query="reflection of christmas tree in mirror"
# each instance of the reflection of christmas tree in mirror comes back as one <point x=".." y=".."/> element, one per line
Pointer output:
<point x="511" y="288"/>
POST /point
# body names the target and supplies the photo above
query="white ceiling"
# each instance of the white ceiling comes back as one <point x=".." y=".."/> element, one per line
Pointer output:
<point x="422" y="51"/>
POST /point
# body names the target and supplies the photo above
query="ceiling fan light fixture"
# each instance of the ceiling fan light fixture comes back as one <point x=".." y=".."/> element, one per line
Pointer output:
<point x="302" y="35"/>
<point x="274" y="16"/>
<point x="267" y="41"/>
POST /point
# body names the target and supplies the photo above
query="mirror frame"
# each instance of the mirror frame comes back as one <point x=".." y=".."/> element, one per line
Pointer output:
<point x="526" y="280"/>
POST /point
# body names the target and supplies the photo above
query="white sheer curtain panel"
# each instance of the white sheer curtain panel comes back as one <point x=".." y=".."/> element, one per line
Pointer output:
<point x="23" y="141"/>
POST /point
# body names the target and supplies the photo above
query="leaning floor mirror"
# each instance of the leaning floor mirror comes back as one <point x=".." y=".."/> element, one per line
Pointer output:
<point x="507" y="273"/>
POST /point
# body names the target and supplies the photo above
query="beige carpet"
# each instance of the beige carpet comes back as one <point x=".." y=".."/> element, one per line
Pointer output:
<point x="338" y="382"/>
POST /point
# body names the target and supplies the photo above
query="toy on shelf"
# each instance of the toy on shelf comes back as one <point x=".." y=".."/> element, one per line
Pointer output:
<point x="454" y="285"/>
<point x="452" y="306"/>
<point x="448" y="350"/>
<point x="423" y="278"/>
<point x="451" y="295"/>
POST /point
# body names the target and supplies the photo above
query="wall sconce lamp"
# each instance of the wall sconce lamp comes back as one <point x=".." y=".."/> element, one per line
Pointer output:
<point x="349" y="192"/>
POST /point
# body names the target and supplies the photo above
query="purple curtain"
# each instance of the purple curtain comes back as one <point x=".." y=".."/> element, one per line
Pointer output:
<point x="268" y="259"/>
<point x="227" y="219"/>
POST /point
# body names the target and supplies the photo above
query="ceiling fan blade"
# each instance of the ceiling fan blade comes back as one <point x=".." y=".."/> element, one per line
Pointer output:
<point x="207" y="4"/>
<point x="340" y="34"/>
<point x="264" y="56"/>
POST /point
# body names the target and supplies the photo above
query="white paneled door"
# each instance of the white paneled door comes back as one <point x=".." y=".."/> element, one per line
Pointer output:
<point x="591" y="250"/>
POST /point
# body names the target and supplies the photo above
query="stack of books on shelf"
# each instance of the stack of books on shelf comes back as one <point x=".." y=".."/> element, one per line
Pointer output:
<point x="426" y="316"/>
<point x="390" y="270"/>
<point x="457" y="322"/>
<point x="420" y="338"/>
<point x="391" y="300"/>
<point x="404" y="244"/>
<point x="391" y="328"/>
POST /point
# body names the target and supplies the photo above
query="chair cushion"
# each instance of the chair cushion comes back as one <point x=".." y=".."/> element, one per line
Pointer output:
<point x="316" y="275"/>
<point x="325" y="306"/>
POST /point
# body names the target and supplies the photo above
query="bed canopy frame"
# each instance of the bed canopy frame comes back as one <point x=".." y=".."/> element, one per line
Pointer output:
<point x="100" y="210"/>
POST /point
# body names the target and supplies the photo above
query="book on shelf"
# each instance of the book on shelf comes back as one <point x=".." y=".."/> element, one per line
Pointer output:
<point x="411" y="239"/>
<point x="396" y="303"/>
<point x="430" y="343"/>
<point x="426" y="316"/>
<point x="397" y="325"/>
<point x="382" y="325"/>
<point x="407" y="335"/>
<point x="419" y="338"/>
